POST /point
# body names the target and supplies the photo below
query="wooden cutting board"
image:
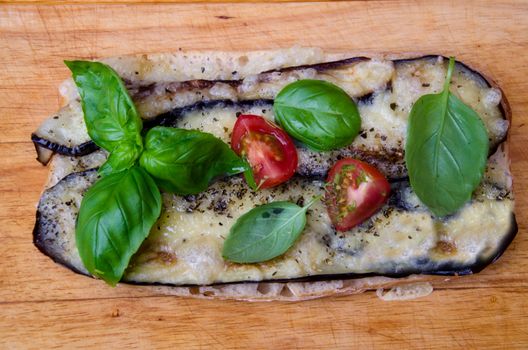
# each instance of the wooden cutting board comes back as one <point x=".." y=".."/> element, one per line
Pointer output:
<point x="43" y="305"/>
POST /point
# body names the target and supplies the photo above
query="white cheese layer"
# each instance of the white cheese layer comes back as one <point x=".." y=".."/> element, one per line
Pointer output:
<point x="185" y="247"/>
<point x="387" y="89"/>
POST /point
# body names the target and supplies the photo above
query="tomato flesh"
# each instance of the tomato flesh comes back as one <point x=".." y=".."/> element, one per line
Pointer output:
<point x="268" y="149"/>
<point x="354" y="192"/>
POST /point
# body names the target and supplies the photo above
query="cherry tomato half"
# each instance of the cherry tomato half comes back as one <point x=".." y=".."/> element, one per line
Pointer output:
<point x="268" y="149"/>
<point x="354" y="192"/>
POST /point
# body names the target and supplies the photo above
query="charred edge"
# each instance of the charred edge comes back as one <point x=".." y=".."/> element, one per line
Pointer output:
<point x="366" y="99"/>
<point x="141" y="91"/>
<point x="434" y="57"/>
<point x="387" y="155"/>
<point x="81" y="150"/>
<point x="168" y="119"/>
<point x="40" y="242"/>
<point x="204" y="84"/>
<point x="165" y="119"/>
<point x="43" y="154"/>
<point x="445" y="269"/>
<point x="43" y="248"/>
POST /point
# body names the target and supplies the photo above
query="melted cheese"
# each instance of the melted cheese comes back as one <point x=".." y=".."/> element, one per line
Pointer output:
<point x="66" y="127"/>
<point x="394" y="88"/>
<point x="184" y="247"/>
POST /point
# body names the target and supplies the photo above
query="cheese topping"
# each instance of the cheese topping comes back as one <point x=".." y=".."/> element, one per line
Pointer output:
<point x="184" y="246"/>
<point x="385" y="91"/>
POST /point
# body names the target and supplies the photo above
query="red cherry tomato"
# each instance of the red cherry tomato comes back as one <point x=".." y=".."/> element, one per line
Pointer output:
<point x="354" y="192"/>
<point x="268" y="149"/>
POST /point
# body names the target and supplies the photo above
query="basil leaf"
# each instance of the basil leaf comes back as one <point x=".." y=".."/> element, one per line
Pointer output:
<point x="122" y="157"/>
<point x="265" y="232"/>
<point x="186" y="161"/>
<point x="109" y="113"/>
<point x="116" y="215"/>
<point x="446" y="150"/>
<point x="317" y="113"/>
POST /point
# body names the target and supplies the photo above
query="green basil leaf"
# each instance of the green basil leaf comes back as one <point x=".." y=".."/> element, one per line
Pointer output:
<point x="109" y="113"/>
<point x="116" y="215"/>
<point x="446" y="150"/>
<point x="265" y="232"/>
<point x="317" y="113"/>
<point x="124" y="156"/>
<point x="186" y="161"/>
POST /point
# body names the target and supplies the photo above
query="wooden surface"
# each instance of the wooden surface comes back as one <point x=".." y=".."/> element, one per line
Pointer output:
<point x="61" y="2"/>
<point x="43" y="305"/>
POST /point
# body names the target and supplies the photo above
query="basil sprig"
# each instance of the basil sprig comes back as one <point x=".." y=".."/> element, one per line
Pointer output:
<point x="185" y="161"/>
<point x="317" y="113"/>
<point x="121" y="158"/>
<point x="116" y="215"/>
<point x="265" y="232"/>
<point x="118" y="211"/>
<point x="110" y="116"/>
<point x="446" y="150"/>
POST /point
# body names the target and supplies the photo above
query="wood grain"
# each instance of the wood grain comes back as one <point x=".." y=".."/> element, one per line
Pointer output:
<point x="43" y="305"/>
<point x="167" y="322"/>
<point x="62" y="2"/>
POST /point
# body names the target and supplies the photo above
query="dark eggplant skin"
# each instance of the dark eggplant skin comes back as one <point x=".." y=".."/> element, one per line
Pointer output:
<point x="321" y="66"/>
<point x="446" y="269"/>
<point x="41" y="245"/>
<point x="81" y="150"/>
<point x="139" y="91"/>
<point x="168" y="118"/>
<point x="165" y="119"/>
<point x="427" y="267"/>
<point x="41" y="143"/>
<point x="311" y="166"/>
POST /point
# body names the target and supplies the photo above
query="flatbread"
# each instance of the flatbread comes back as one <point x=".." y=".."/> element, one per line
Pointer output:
<point x="181" y="66"/>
